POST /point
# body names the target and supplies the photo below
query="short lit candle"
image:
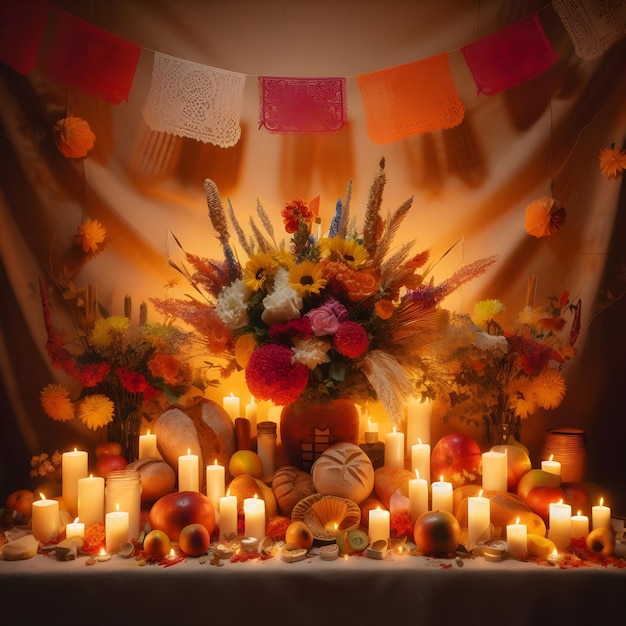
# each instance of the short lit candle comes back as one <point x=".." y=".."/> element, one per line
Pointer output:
<point x="148" y="446"/>
<point x="228" y="516"/>
<point x="231" y="405"/>
<point x="91" y="500"/>
<point x="580" y="526"/>
<point x="215" y="484"/>
<point x="188" y="479"/>
<point x="418" y="496"/>
<point x="495" y="471"/>
<point x="379" y="525"/>
<point x="45" y="520"/>
<point x="254" y="517"/>
<point x="517" y="540"/>
<point x="116" y="525"/>
<point x="74" y="465"/>
<point x="478" y="520"/>
<point x="560" y="524"/>
<point x="251" y="414"/>
<point x="74" y="529"/>
<point x="600" y="516"/>
<point x="441" y="496"/>
<point x="394" y="449"/>
<point x="418" y="418"/>
<point x="552" y="466"/>
<point x="420" y="459"/>
<point x="371" y="431"/>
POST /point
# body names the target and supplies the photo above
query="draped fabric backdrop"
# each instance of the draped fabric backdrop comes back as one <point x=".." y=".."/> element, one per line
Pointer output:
<point x="470" y="183"/>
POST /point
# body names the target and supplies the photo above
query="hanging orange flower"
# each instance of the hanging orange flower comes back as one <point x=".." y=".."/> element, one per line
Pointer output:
<point x="90" y="234"/>
<point x="544" y="217"/>
<point x="74" y="137"/>
<point x="612" y="162"/>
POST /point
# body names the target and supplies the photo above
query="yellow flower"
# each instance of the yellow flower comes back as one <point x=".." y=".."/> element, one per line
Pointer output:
<point x="258" y="269"/>
<point x="106" y="327"/>
<point x="612" y="162"/>
<point x="55" y="400"/>
<point x="352" y="253"/>
<point x="96" y="411"/>
<point x="306" y="278"/>
<point x="244" y="347"/>
<point x="90" y="235"/>
<point x="549" y="388"/>
<point x="521" y="399"/>
<point x="486" y="310"/>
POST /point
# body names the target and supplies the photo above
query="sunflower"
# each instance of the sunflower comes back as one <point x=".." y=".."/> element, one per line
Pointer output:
<point x="350" y="252"/>
<point x="306" y="278"/>
<point x="612" y="162"/>
<point x="96" y="411"/>
<point x="55" y="400"/>
<point x="258" y="269"/>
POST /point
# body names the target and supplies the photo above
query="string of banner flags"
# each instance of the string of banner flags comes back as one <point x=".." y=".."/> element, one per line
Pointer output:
<point x="204" y="103"/>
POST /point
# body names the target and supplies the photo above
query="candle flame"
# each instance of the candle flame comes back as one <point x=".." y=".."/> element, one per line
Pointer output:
<point x="441" y="478"/>
<point x="394" y="429"/>
<point x="117" y="507"/>
<point x="90" y="475"/>
<point x="555" y="553"/>
<point x="102" y="552"/>
<point x="232" y="395"/>
<point x="601" y="501"/>
<point x="578" y="513"/>
<point x="517" y="520"/>
<point x="148" y="432"/>
<point x="417" y="473"/>
<point x="42" y="496"/>
<point x="419" y="441"/>
<point x="188" y="451"/>
<point x="480" y="493"/>
<point x="75" y="450"/>
<point x="75" y="520"/>
<point x="172" y="553"/>
<point x="256" y="497"/>
<point x="561" y="501"/>
<point x="551" y="457"/>
<point x="215" y="462"/>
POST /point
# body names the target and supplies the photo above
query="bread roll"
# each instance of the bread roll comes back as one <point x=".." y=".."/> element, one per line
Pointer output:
<point x="157" y="478"/>
<point x="344" y="470"/>
<point x="290" y="484"/>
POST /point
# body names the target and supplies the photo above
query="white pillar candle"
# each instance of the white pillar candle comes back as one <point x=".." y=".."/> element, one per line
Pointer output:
<point x="517" y="540"/>
<point x="418" y="417"/>
<point x="115" y="530"/>
<point x="148" y="446"/>
<point x="379" y="525"/>
<point x="74" y="465"/>
<point x="560" y="524"/>
<point x="215" y="484"/>
<point x="394" y="449"/>
<point x="273" y="415"/>
<point x="74" y="529"/>
<point x="580" y="526"/>
<point x="420" y="459"/>
<point x="600" y="516"/>
<point x="251" y="414"/>
<point x="254" y="517"/>
<point x="188" y="472"/>
<point x="478" y="520"/>
<point x="45" y="520"/>
<point x="494" y="471"/>
<point x="228" y="516"/>
<point x="552" y="466"/>
<point x="442" y="498"/>
<point x="231" y="405"/>
<point x="91" y="500"/>
<point x="418" y="496"/>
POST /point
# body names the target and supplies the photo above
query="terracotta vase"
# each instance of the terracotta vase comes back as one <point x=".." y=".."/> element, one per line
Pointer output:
<point x="306" y="430"/>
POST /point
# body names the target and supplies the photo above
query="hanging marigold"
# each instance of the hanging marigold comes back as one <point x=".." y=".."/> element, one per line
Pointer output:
<point x="612" y="162"/>
<point x="74" y="137"/>
<point x="544" y="217"/>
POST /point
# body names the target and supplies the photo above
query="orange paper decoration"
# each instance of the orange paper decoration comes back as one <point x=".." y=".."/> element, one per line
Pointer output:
<point x="544" y="217"/>
<point x="74" y="137"/>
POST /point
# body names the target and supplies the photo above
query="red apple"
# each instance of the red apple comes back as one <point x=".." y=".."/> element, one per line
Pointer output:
<point x="110" y="463"/>
<point x="21" y="501"/>
<point x="540" y="498"/>
<point x="457" y="458"/>
<point x="437" y="533"/>
<point x="104" y="448"/>
<point x="194" y="540"/>
<point x="172" y="512"/>
<point x="518" y="463"/>
<point x="577" y="496"/>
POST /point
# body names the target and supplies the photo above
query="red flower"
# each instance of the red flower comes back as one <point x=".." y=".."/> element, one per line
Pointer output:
<point x="400" y="526"/>
<point x="132" y="381"/>
<point x="295" y="212"/>
<point x="90" y="374"/>
<point x="271" y="375"/>
<point x="351" y="340"/>
<point x="300" y="327"/>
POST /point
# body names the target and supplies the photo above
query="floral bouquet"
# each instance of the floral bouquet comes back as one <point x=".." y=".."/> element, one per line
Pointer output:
<point x="320" y="317"/>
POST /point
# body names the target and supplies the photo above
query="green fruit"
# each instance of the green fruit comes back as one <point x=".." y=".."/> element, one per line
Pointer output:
<point x="357" y="540"/>
<point x="342" y="543"/>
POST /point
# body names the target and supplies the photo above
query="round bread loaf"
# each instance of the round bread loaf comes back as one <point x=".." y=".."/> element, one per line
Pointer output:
<point x="290" y="484"/>
<point x="344" y="470"/>
<point x="157" y="477"/>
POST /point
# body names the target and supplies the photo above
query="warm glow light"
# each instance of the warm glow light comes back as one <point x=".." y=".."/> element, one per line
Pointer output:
<point x="601" y="501"/>
<point x="42" y="496"/>
<point x="394" y="429"/>
<point x="75" y="450"/>
<point x="102" y="552"/>
<point x="517" y="520"/>
<point x="117" y="507"/>
<point x="419" y="441"/>
<point x="551" y="457"/>
<point x="480" y="493"/>
<point x="188" y="451"/>
<point x="417" y="473"/>
<point x="579" y="512"/>
<point x="75" y="520"/>
<point x="441" y="478"/>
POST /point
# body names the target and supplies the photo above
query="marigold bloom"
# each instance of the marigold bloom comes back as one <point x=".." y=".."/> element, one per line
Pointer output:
<point x="612" y="162"/>
<point x="55" y="400"/>
<point x="96" y="411"/>
<point x="90" y="235"/>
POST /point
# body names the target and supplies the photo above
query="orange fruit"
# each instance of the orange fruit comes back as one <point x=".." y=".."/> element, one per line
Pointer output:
<point x="246" y="462"/>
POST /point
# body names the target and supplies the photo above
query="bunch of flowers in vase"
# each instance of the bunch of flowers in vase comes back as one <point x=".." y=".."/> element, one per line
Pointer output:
<point x="316" y="318"/>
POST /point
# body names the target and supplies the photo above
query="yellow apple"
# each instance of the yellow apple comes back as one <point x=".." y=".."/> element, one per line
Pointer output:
<point x="536" y="478"/>
<point x="299" y="535"/>
<point x="246" y="462"/>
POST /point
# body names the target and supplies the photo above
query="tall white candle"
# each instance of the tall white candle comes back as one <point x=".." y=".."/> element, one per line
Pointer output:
<point x="551" y="466"/>
<point x="420" y="459"/>
<point x="394" y="449"/>
<point x="188" y="472"/>
<point x="215" y="484"/>
<point x="418" y="496"/>
<point x="494" y="471"/>
<point x="91" y="500"/>
<point x="148" y="446"/>
<point x="231" y="405"/>
<point x="254" y="517"/>
<point x="442" y="496"/>
<point x="379" y="525"/>
<point x="580" y="526"/>
<point x="517" y="540"/>
<point x="228" y="516"/>
<point x="75" y="529"/>
<point x="478" y="520"/>
<point x="418" y="417"/>
<point x="115" y="530"/>
<point x="251" y="413"/>
<point x="600" y="516"/>
<point x="274" y="414"/>
<point x="74" y="465"/>
<point x="45" y="520"/>
<point x="560" y="524"/>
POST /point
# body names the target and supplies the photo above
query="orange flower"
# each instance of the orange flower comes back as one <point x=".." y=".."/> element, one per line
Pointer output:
<point x="544" y="217"/>
<point x="73" y="137"/>
<point x="167" y="367"/>
<point x="90" y="235"/>
<point x="612" y="162"/>
<point x="384" y="309"/>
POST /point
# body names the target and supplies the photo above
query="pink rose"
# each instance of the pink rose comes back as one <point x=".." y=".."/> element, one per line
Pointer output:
<point x="323" y="321"/>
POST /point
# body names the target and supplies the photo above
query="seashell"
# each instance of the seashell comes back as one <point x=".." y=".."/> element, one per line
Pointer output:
<point x="325" y="515"/>
<point x="127" y="550"/>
